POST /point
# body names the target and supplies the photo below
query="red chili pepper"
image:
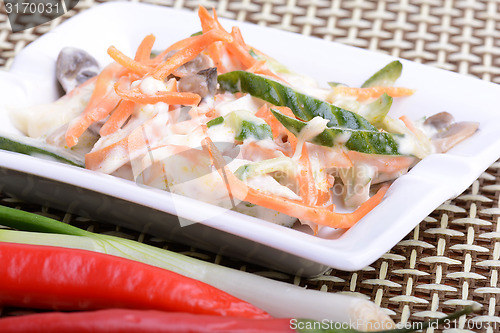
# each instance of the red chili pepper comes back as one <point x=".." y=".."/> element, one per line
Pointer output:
<point x="69" y="279"/>
<point x="138" y="321"/>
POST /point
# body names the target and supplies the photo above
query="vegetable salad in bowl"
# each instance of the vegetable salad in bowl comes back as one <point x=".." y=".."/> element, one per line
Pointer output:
<point x="213" y="118"/>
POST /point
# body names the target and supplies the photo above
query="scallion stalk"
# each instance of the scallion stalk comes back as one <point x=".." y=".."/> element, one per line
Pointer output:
<point x="279" y="299"/>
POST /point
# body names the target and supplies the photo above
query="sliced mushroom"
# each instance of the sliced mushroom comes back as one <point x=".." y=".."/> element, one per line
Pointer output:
<point x="454" y="134"/>
<point x="74" y="67"/>
<point x="440" y="121"/>
<point x="203" y="83"/>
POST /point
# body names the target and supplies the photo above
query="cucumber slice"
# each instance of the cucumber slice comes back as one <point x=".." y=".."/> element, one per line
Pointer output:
<point x="385" y="77"/>
<point x="33" y="147"/>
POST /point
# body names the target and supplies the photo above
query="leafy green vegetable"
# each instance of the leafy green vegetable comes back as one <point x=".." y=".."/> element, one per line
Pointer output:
<point x="370" y="142"/>
<point x="283" y="164"/>
<point x="246" y="125"/>
<point x="249" y="129"/>
<point x="215" y="121"/>
<point x="387" y="76"/>
<point x="303" y="106"/>
<point x="376" y="112"/>
<point x="32" y="147"/>
<point x="198" y="33"/>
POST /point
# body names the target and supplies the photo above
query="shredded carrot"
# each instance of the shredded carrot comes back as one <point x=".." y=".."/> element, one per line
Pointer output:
<point x="252" y="148"/>
<point x="132" y="145"/>
<point x="257" y="66"/>
<point x="239" y="49"/>
<point x="143" y="52"/>
<point x="127" y="62"/>
<point x="310" y="193"/>
<point x="117" y="118"/>
<point x="409" y="124"/>
<point x="383" y="163"/>
<point x="277" y="128"/>
<point x="363" y="94"/>
<point x="242" y="52"/>
<point x="267" y="116"/>
<point x="176" y="46"/>
<point x="307" y="186"/>
<point x="189" y="52"/>
<point x="320" y="215"/>
<point x="421" y="137"/>
<point x="216" y="50"/>
<point x="101" y="103"/>
<point x="207" y="21"/>
<point x="168" y="97"/>
<point x="94" y="159"/>
<point x="323" y="197"/>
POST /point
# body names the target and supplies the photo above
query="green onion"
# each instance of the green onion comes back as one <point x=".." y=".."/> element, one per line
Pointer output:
<point x="279" y="299"/>
<point x="33" y="147"/>
<point x="215" y="121"/>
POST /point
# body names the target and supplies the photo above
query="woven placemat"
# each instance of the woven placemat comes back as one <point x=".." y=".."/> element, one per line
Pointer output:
<point x="452" y="257"/>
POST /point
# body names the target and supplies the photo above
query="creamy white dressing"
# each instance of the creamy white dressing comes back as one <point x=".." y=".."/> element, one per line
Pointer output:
<point x="267" y="184"/>
<point x="151" y="86"/>
<point x="259" y="150"/>
<point x="221" y="133"/>
<point x="313" y="128"/>
<point x="231" y="103"/>
<point x="357" y="181"/>
<point x="318" y="167"/>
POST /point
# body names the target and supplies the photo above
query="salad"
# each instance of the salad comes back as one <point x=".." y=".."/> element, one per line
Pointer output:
<point x="213" y="118"/>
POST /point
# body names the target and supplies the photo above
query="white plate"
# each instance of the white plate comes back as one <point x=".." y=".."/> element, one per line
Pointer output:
<point x="410" y="199"/>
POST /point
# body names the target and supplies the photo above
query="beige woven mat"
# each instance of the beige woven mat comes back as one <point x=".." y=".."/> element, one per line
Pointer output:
<point x="452" y="257"/>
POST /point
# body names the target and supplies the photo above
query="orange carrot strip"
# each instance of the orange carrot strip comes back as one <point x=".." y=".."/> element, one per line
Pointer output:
<point x="132" y="146"/>
<point x="176" y="46"/>
<point x="216" y="49"/>
<point x="307" y="187"/>
<point x="207" y="21"/>
<point x="257" y="66"/>
<point x="118" y="118"/>
<point x="290" y="136"/>
<point x="319" y="215"/>
<point x="419" y="134"/>
<point x="143" y="52"/>
<point x="323" y="197"/>
<point x="383" y="163"/>
<point x="94" y="159"/>
<point x="168" y="97"/>
<point x="262" y="112"/>
<point x="101" y="103"/>
<point x="242" y="51"/>
<point x="252" y="149"/>
<point x="127" y="62"/>
<point x="363" y="94"/>
<point x="189" y="52"/>
<point x="409" y="124"/>
<point x="276" y="127"/>
<point x="239" y="49"/>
